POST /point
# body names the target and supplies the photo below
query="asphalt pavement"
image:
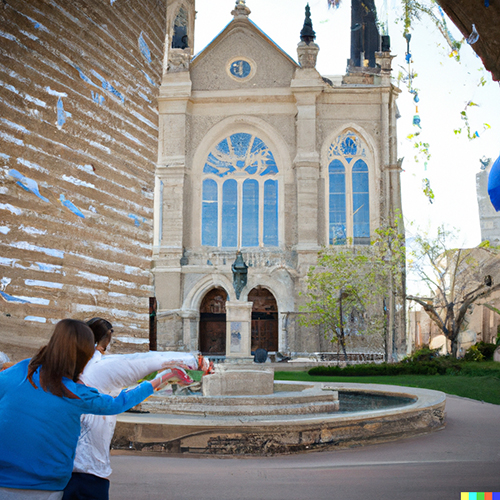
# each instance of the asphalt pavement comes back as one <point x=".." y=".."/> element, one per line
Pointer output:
<point x="464" y="456"/>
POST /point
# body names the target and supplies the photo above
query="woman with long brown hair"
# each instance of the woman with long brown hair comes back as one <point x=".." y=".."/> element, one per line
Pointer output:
<point x="41" y="403"/>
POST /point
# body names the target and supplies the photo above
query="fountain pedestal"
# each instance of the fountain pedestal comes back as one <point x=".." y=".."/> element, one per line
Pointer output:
<point x="239" y="331"/>
<point x="230" y="382"/>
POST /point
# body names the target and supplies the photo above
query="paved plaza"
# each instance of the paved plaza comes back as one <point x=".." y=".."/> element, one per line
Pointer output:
<point x="465" y="456"/>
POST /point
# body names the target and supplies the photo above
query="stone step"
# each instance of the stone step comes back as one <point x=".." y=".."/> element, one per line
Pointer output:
<point x="327" y="406"/>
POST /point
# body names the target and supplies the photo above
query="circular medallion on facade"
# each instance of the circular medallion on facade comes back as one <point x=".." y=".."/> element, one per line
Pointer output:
<point x="241" y="69"/>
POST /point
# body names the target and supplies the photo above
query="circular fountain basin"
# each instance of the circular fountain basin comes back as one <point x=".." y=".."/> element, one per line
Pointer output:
<point x="297" y="417"/>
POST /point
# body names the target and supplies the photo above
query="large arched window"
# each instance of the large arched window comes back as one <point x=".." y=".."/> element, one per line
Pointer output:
<point x="348" y="191"/>
<point x="240" y="194"/>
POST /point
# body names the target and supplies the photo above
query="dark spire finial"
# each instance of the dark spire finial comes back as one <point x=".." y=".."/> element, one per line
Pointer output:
<point x="307" y="33"/>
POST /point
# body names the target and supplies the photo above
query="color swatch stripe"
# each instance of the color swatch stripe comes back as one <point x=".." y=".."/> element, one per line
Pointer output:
<point x="480" y="495"/>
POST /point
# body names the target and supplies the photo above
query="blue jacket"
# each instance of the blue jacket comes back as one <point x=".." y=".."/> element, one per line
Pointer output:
<point x="39" y="431"/>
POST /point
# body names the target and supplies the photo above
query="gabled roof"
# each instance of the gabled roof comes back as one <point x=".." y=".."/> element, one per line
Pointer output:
<point x="235" y="24"/>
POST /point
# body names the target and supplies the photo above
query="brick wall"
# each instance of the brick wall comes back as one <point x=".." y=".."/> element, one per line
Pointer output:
<point x="78" y="145"/>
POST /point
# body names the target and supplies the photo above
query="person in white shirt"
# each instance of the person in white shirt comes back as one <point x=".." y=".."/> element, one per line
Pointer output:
<point x="110" y="374"/>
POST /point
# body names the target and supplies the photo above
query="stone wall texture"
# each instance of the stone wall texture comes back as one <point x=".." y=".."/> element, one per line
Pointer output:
<point x="78" y="146"/>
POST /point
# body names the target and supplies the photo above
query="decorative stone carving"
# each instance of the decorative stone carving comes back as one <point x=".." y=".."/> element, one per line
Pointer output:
<point x="307" y="53"/>
<point x="240" y="10"/>
<point x="178" y="60"/>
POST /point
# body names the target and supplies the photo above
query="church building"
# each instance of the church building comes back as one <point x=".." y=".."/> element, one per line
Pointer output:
<point x="261" y="163"/>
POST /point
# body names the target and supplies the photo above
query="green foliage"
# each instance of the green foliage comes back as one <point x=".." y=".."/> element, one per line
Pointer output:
<point x="423" y="354"/>
<point x="481" y="351"/>
<point x="346" y="290"/>
<point x="444" y="365"/>
<point x="340" y="291"/>
<point x="479" y="381"/>
<point x="473" y="354"/>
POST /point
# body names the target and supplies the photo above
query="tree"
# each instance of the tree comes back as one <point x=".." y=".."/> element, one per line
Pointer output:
<point x="357" y="289"/>
<point x="456" y="279"/>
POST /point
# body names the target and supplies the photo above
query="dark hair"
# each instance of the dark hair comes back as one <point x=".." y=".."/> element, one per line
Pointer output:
<point x="100" y="328"/>
<point x="68" y="351"/>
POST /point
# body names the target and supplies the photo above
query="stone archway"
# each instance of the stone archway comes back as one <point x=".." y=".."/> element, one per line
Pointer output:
<point x="213" y="323"/>
<point x="264" y="319"/>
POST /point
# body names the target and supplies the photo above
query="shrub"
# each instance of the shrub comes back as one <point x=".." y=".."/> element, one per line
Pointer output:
<point x="423" y="354"/>
<point x="473" y="354"/>
<point x="438" y="366"/>
<point x="486" y="350"/>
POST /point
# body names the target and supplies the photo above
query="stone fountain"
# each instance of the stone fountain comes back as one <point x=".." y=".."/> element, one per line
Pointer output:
<point x="241" y="410"/>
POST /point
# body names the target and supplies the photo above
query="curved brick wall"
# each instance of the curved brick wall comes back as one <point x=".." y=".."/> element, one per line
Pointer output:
<point x="78" y="147"/>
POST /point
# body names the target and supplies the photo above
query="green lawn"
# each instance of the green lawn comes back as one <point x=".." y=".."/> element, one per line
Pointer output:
<point x="481" y="388"/>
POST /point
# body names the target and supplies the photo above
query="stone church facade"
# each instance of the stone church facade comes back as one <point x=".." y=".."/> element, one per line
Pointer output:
<point x="261" y="163"/>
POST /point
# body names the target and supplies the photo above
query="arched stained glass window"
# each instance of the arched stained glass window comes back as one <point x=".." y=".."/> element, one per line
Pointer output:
<point x="229" y="213"/>
<point x="250" y="214"/>
<point x="209" y="213"/>
<point x="337" y="222"/>
<point x="271" y="213"/>
<point x="348" y="190"/>
<point x="360" y="203"/>
<point x="245" y="175"/>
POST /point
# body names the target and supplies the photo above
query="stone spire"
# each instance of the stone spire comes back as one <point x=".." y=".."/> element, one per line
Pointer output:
<point x="241" y="11"/>
<point x="307" y="33"/>
<point x="307" y="50"/>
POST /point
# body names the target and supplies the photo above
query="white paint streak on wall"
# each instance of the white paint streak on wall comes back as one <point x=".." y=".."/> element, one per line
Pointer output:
<point x="108" y="265"/>
<point x="88" y="291"/>
<point x="4" y="261"/>
<point x="45" y="284"/>
<point x="132" y="138"/>
<point x="32" y="230"/>
<point x="15" y="126"/>
<point x="32" y="165"/>
<point x="38" y="319"/>
<point x="35" y="300"/>
<point x="8" y="36"/>
<point x="29" y="35"/>
<point x="116" y="312"/>
<point x="36" y="101"/>
<point x="100" y="146"/>
<point x="24" y="245"/>
<point x="92" y="277"/>
<point x="77" y="182"/>
<point x="11" y="138"/>
<point x="10" y="208"/>
<point x="143" y="120"/>
<point x="132" y="340"/>
<point x="55" y="92"/>
<point x="86" y="168"/>
<point x="48" y="268"/>
<point x="126" y="284"/>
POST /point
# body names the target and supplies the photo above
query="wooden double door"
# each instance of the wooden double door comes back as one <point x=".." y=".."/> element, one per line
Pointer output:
<point x="264" y="320"/>
<point x="212" y="330"/>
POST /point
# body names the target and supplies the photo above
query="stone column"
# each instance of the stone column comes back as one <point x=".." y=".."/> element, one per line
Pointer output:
<point x="175" y="92"/>
<point x="306" y="86"/>
<point x="239" y="331"/>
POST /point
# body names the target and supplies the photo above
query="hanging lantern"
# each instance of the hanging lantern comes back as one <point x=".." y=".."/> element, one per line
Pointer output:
<point x="494" y="184"/>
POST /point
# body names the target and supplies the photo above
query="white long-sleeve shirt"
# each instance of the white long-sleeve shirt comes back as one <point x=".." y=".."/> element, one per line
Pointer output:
<point x="109" y="375"/>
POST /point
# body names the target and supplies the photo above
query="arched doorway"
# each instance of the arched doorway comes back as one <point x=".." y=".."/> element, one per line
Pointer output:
<point x="264" y="319"/>
<point x="213" y="323"/>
